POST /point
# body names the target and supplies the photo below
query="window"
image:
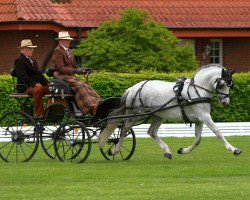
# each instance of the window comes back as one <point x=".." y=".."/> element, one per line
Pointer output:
<point x="216" y="53"/>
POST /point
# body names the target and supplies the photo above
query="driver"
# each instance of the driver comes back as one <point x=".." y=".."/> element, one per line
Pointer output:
<point x="64" y="62"/>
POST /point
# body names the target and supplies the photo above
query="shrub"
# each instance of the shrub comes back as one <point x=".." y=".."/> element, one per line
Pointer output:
<point x="114" y="84"/>
<point x="134" y="43"/>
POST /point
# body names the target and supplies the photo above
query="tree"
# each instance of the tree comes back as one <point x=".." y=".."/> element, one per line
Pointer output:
<point x="134" y="43"/>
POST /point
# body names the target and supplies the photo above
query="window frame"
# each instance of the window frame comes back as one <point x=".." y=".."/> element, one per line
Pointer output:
<point x="220" y="41"/>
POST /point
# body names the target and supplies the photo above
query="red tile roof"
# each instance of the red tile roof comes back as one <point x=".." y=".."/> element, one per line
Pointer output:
<point x="172" y="13"/>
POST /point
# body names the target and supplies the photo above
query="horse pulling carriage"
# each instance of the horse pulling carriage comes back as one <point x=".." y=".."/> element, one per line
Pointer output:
<point x="67" y="135"/>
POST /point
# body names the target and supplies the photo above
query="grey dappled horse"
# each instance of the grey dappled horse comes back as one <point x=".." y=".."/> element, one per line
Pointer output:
<point x="189" y="102"/>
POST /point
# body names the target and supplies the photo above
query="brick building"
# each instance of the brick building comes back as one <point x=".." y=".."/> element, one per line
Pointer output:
<point x="219" y="30"/>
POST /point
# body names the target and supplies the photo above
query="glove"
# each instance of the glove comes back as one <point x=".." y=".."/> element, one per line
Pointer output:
<point x="84" y="71"/>
<point x="79" y="71"/>
<point x="87" y="70"/>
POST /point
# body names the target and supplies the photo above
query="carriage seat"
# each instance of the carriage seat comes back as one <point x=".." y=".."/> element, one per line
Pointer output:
<point x="15" y="93"/>
<point x="58" y="87"/>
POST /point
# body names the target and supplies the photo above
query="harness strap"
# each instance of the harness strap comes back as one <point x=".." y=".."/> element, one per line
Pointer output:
<point x="139" y="92"/>
<point x="184" y="116"/>
<point x="180" y="100"/>
<point x="177" y="90"/>
<point x="192" y="81"/>
<point x="185" y="103"/>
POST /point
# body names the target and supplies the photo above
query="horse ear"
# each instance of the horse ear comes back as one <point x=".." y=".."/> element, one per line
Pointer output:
<point x="223" y="72"/>
<point x="233" y="71"/>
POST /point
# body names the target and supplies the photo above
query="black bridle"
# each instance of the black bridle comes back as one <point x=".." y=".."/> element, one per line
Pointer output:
<point x="226" y="76"/>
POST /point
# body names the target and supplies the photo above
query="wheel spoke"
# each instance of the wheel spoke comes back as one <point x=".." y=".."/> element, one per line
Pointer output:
<point x="121" y="155"/>
<point x="75" y="147"/>
<point x="16" y="153"/>
<point x="10" y="151"/>
<point x="47" y="140"/>
<point x="127" y="149"/>
<point x="47" y="148"/>
<point x="23" y="138"/>
<point x="5" y="145"/>
<point x="23" y="151"/>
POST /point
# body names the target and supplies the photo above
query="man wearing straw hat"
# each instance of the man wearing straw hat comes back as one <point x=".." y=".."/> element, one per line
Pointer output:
<point x="29" y="78"/>
<point x="87" y="99"/>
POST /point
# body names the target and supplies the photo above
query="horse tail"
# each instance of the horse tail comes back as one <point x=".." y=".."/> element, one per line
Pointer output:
<point x="113" y="123"/>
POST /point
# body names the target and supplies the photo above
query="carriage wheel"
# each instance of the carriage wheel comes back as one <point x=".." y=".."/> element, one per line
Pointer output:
<point x="47" y="139"/>
<point x="18" y="137"/>
<point x="72" y="142"/>
<point x="127" y="148"/>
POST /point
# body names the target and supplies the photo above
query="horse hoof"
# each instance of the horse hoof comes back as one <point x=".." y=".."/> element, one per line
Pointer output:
<point x="180" y="151"/>
<point x="237" y="152"/>
<point x="168" y="155"/>
<point x="109" y="152"/>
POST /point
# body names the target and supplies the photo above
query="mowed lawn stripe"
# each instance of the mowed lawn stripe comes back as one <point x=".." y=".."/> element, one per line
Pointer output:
<point x="209" y="172"/>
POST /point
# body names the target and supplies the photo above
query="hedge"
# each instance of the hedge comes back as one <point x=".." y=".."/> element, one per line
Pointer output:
<point x="114" y="84"/>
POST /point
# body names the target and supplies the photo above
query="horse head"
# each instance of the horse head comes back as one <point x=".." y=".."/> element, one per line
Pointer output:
<point x="222" y="85"/>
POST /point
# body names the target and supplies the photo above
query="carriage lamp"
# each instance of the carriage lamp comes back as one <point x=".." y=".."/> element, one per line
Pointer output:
<point x="206" y="51"/>
<point x="75" y="130"/>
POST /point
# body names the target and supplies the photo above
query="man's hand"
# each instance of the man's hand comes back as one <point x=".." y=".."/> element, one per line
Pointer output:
<point x="87" y="71"/>
<point x="79" y="70"/>
<point x="38" y="85"/>
<point x="84" y="71"/>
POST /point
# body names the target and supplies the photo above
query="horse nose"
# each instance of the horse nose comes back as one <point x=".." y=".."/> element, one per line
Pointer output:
<point x="225" y="103"/>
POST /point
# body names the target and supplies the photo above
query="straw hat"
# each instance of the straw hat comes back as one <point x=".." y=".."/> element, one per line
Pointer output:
<point x="26" y="43"/>
<point x="64" y="35"/>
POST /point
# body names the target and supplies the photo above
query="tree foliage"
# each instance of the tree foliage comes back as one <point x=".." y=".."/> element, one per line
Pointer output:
<point x="134" y="43"/>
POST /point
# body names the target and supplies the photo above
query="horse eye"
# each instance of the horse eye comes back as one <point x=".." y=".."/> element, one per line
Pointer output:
<point x="221" y="86"/>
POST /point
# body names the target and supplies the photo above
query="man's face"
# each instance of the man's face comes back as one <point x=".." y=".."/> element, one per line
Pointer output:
<point x="65" y="43"/>
<point x="28" y="51"/>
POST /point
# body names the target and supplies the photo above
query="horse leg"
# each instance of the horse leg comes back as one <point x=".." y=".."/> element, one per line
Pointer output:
<point x="125" y="128"/>
<point x="152" y="131"/>
<point x="198" y="130"/>
<point x="209" y="122"/>
<point x="105" y="133"/>
<point x="111" y="126"/>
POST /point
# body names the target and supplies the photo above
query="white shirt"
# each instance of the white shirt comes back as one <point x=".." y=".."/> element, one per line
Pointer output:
<point x="66" y="49"/>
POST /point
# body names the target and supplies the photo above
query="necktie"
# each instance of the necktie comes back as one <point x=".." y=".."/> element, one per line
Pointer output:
<point x="68" y="52"/>
<point x="31" y="61"/>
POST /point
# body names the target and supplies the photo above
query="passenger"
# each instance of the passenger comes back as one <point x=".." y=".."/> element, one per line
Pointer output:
<point x="29" y="78"/>
<point x="65" y="65"/>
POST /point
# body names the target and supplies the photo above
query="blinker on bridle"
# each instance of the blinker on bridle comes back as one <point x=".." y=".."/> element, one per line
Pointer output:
<point x="227" y="77"/>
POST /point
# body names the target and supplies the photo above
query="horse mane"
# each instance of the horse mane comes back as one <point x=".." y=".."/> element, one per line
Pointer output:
<point x="208" y="66"/>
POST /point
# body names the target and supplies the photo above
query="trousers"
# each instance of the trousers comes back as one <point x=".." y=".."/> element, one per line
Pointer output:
<point x="38" y="93"/>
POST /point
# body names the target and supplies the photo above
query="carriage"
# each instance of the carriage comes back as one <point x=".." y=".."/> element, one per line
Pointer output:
<point x="67" y="135"/>
<point x="63" y="133"/>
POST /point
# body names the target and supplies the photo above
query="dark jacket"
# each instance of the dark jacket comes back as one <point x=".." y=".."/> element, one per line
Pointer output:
<point x="27" y="74"/>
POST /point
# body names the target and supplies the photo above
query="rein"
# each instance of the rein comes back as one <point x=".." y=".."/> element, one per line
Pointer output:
<point x="207" y="90"/>
<point x="195" y="87"/>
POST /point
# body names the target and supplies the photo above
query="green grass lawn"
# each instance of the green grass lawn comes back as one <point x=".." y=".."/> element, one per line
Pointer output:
<point x="209" y="172"/>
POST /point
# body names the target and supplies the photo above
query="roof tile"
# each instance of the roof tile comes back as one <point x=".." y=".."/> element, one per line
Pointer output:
<point x="173" y="13"/>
